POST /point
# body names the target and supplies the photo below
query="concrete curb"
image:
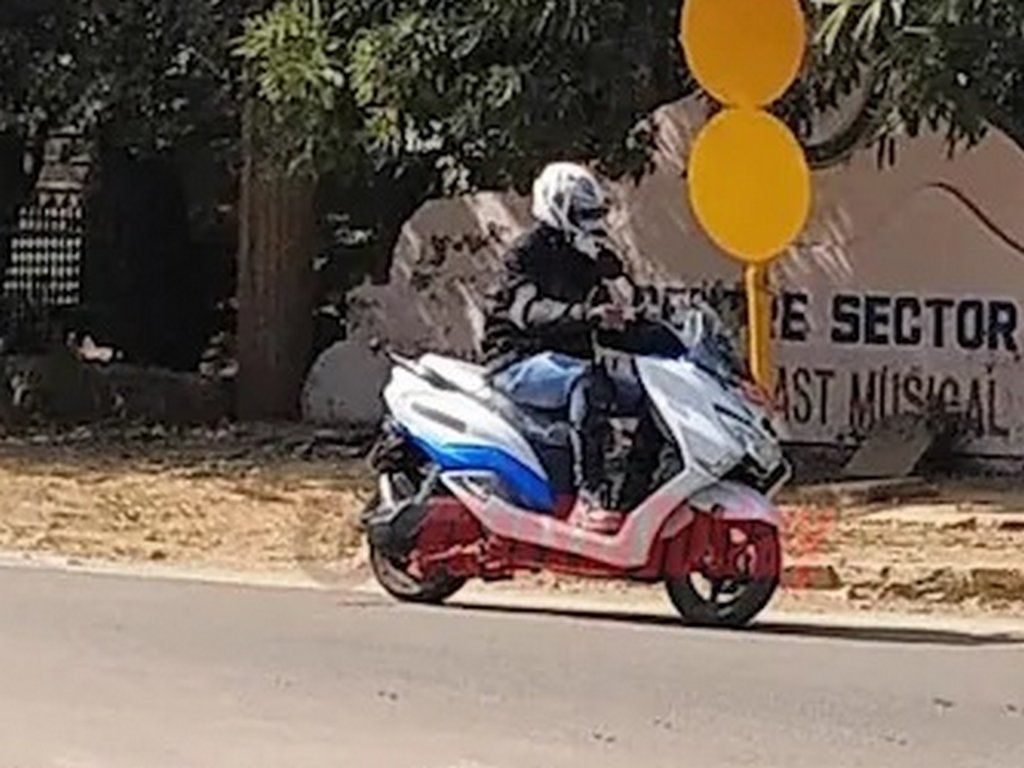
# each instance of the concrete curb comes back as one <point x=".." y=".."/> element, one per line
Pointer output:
<point x="202" y="575"/>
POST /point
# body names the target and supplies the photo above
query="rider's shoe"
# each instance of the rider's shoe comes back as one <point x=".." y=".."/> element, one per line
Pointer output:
<point x="590" y="515"/>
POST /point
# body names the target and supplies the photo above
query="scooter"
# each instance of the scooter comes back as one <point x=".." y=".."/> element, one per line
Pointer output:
<point x="473" y="486"/>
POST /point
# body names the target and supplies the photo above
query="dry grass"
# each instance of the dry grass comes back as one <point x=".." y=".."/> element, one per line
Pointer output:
<point x="235" y="502"/>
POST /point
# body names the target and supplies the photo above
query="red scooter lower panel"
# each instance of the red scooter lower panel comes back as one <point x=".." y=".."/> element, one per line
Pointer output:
<point x="452" y="540"/>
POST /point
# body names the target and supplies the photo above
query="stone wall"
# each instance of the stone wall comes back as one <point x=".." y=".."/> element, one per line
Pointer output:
<point x="60" y="389"/>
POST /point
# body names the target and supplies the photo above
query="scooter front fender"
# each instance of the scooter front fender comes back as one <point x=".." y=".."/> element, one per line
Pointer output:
<point x="736" y="502"/>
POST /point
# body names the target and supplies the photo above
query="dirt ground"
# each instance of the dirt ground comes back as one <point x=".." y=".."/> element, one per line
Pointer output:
<point x="288" y="500"/>
<point x="261" y="499"/>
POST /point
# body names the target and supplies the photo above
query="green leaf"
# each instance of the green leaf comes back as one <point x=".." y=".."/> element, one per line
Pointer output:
<point x="832" y="26"/>
<point x="867" y="25"/>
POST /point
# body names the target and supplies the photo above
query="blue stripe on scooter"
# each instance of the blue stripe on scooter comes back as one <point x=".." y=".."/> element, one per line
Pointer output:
<point x="532" y="490"/>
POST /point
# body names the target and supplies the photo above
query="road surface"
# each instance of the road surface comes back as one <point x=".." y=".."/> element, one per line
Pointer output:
<point x="109" y="672"/>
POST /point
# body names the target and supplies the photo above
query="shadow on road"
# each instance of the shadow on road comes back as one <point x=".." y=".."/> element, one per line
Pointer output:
<point x="801" y="629"/>
<point x="883" y="634"/>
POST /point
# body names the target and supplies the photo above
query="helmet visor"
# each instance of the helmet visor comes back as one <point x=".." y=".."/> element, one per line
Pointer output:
<point x="590" y="217"/>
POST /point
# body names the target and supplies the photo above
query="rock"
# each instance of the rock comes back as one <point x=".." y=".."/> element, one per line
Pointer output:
<point x="165" y="398"/>
<point x="60" y="389"/>
<point x="56" y="387"/>
<point x="1012" y="526"/>
<point x="89" y="352"/>
<point x="811" y="577"/>
<point x="967" y="524"/>
<point x="947" y="586"/>
<point x="998" y="583"/>
<point x="942" y="585"/>
<point x="344" y="386"/>
<point x="893" y="449"/>
<point x="862" y="592"/>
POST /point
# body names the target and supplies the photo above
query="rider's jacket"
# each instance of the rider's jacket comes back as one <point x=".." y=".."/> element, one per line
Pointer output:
<point x="540" y="301"/>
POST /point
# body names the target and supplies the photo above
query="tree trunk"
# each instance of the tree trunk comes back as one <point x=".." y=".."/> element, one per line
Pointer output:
<point x="277" y="223"/>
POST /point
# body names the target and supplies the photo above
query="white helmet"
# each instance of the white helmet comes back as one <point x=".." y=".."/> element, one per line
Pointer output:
<point x="569" y="198"/>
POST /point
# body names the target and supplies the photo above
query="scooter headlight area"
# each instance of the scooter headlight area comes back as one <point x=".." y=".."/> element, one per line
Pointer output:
<point x="765" y="466"/>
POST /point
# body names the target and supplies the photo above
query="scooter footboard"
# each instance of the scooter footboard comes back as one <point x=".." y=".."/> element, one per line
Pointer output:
<point x="735" y="502"/>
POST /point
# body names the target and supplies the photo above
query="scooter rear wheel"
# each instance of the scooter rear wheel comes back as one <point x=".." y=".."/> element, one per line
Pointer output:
<point x="403" y="586"/>
<point x="393" y="575"/>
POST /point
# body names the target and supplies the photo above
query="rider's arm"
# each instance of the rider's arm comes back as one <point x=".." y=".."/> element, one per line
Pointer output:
<point x="531" y="311"/>
<point x="609" y="265"/>
<point x="531" y="307"/>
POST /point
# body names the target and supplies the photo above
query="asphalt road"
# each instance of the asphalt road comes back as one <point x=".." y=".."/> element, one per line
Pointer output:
<point x="105" y="672"/>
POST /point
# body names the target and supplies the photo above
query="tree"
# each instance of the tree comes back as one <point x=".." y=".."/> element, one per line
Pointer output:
<point x="379" y="105"/>
<point x="30" y="71"/>
<point x="955" y="66"/>
<point x="479" y="93"/>
<point x="371" y="98"/>
<point x="165" y="135"/>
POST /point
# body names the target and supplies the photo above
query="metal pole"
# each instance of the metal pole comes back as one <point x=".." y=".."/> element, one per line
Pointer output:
<point x="759" y="313"/>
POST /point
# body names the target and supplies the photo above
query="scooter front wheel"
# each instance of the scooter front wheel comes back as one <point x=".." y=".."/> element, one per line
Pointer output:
<point x="735" y="601"/>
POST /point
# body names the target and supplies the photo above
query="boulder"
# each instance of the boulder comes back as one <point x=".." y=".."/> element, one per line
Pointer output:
<point x="345" y="384"/>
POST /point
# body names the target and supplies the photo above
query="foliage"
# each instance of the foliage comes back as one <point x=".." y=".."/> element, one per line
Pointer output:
<point x="142" y="82"/>
<point x="481" y="90"/>
<point x="489" y="89"/>
<point x="393" y="102"/>
<point x="484" y="90"/>
<point x="295" y="72"/>
<point x="150" y="72"/>
<point x="955" y="66"/>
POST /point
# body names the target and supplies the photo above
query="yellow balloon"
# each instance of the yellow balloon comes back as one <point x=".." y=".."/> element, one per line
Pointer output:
<point x="750" y="185"/>
<point x="745" y="53"/>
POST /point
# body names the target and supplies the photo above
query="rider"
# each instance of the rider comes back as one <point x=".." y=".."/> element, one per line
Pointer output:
<point x="538" y="338"/>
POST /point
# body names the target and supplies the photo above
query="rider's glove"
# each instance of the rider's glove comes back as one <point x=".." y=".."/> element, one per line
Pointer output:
<point x="610" y="317"/>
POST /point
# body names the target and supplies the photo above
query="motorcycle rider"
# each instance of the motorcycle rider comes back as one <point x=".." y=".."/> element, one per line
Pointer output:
<point x="538" y="334"/>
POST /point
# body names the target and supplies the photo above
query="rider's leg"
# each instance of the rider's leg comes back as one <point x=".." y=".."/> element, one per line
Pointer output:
<point x="630" y="402"/>
<point x="553" y="381"/>
<point x="589" y="413"/>
<point x="544" y="381"/>
<point x="641" y="463"/>
<point x="590" y="410"/>
<point x="550" y="382"/>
